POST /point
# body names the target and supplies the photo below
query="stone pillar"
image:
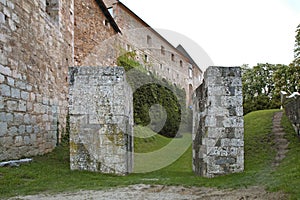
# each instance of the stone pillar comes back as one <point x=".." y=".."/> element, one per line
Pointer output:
<point x="218" y="125"/>
<point x="101" y="120"/>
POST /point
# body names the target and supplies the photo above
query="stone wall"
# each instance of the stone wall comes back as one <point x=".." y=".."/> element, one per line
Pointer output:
<point x="218" y="126"/>
<point x="93" y="36"/>
<point x="36" y="49"/>
<point x="101" y="120"/>
<point x="155" y="53"/>
<point x="292" y="110"/>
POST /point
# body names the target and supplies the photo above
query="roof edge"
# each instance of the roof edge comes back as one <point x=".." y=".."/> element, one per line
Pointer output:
<point x="108" y="16"/>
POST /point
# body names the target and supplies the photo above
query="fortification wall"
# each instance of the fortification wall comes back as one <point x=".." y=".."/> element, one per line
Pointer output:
<point x="101" y="120"/>
<point x="97" y="43"/>
<point x="218" y="125"/>
<point x="36" y="48"/>
<point x="156" y="54"/>
<point x="94" y="37"/>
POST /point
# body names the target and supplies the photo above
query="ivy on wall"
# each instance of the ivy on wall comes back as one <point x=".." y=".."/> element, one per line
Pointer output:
<point x="150" y="90"/>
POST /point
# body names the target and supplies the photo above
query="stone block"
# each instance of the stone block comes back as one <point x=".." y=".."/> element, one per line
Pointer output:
<point x="5" y="90"/>
<point x="22" y="106"/>
<point x="19" y="118"/>
<point x="12" y="105"/>
<point x="5" y="70"/>
<point x="29" y="129"/>
<point x="25" y="95"/>
<point x="18" y="141"/>
<point x="21" y="85"/>
<point x="10" y="81"/>
<point x="13" y="131"/>
<point x="3" y="128"/>
<point x="15" y="93"/>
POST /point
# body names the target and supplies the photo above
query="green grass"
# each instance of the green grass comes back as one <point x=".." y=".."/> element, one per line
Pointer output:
<point x="147" y="141"/>
<point x="50" y="173"/>
<point x="287" y="175"/>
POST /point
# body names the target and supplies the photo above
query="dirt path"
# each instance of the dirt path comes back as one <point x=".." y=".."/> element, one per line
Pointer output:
<point x="281" y="144"/>
<point x="148" y="192"/>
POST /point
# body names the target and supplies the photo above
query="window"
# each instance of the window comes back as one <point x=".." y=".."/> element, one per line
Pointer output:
<point x="161" y="66"/>
<point x="149" y="40"/>
<point x="181" y="63"/>
<point x="162" y="49"/>
<point x="190" y="72"/>
<point x="172" y="57"/>
<point x="52" y="9"/>
<point x="146" y="58"/>
<point x="106" y="22"/>
<point x="128" y="47"/>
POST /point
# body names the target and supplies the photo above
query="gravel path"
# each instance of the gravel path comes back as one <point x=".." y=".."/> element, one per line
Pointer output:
<point x="154" y="192"/>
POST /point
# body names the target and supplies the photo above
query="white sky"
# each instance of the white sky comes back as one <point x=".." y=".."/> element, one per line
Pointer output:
<point x="231" y="32"/>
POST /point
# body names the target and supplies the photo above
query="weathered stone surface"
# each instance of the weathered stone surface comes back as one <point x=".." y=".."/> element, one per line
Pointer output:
<point x="34" y="56"/>
<point x="218" y="125"/>
<point x="101" y="126"/>
<point x="292" y="110"/>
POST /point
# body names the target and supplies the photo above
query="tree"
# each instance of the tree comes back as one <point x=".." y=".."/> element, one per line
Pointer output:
<point x="286" y="78"/>
<point x="258" y="87"/>
<point x="297" y="46"/>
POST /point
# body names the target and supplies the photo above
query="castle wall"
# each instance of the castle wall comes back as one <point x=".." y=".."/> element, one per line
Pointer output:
<point x="98" y="44"/>
<point x="93" y="36"/>
<point x="157" y="55"/>
<point x="36" y="48"/>
<point x="218" y="125"/>
<point x="101" y="120"/>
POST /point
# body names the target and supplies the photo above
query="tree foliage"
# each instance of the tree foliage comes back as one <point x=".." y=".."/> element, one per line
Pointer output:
<point x="258" y="87"/>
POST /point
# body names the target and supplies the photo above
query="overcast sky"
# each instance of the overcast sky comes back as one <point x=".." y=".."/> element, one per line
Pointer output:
<point x="231" y="32"/>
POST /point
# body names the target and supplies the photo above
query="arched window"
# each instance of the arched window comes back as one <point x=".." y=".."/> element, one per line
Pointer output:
<point x="172" y="57"/>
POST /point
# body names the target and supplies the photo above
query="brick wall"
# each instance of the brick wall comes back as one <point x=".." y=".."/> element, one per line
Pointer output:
<point x="35" y="51"/>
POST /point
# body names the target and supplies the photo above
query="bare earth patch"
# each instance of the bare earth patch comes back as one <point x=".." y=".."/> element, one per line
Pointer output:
<point x="155" y="192"/>
<point x="281" y="144"/>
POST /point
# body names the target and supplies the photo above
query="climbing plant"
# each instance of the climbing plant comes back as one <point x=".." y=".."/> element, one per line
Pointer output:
<point x="150" y="90"/>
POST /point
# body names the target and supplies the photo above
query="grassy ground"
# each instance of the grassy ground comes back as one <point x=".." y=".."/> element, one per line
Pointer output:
<point x="50" y="173"/>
